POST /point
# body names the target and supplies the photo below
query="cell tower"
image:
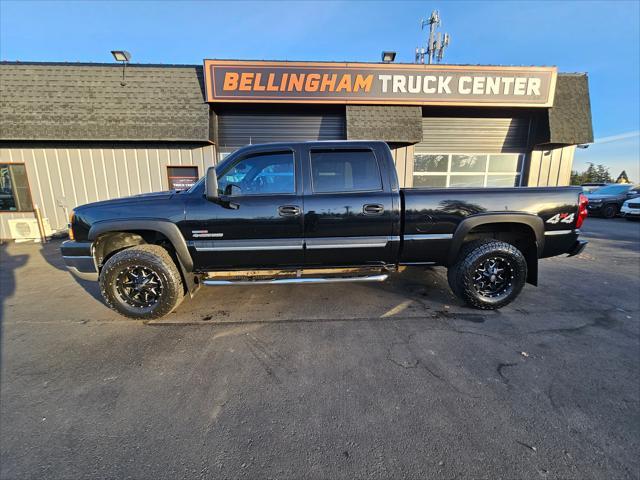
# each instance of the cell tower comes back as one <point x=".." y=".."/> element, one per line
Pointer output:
<point x="436" y="44"/>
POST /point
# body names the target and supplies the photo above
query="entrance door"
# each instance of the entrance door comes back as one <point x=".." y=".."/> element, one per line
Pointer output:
<point x="348" y="212"/>
<point x="258" y="222"/>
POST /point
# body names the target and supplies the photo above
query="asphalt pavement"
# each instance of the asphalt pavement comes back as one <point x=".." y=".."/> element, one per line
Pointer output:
<point x="390" y="380"/>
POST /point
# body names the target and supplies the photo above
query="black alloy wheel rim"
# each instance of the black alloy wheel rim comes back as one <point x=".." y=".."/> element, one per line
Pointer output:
<point x="493" y="277"/>
<point x="139" y="286"/>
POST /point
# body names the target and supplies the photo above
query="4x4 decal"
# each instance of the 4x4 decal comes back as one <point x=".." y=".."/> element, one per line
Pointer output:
<point x="562" y="218"/>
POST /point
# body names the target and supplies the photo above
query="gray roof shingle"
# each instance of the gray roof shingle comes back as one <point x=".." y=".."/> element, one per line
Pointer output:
<point x="87" y="102"/>
<point x="391" y="123"/>
<point x="66" y="101"/>
<point x="570" y="116"/>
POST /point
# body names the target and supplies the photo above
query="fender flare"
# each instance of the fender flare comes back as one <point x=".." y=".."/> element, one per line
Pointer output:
<point x="464" y="227"/>
<point x="167" y="228"/>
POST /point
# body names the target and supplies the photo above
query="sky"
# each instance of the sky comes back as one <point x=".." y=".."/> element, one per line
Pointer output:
<point x="600" y="38"/>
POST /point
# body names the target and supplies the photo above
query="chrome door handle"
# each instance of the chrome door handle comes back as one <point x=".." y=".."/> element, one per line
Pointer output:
<point x="289" y="210"/>
<point x="373" y="209"/>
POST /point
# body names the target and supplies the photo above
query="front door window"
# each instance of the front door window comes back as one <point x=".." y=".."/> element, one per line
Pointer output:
<point x="260" y="174"/>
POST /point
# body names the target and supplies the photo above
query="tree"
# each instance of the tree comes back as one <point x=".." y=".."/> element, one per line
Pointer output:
<point x="602" y="174"/>
<point x="593" y="174"/>
<point x="623" y="178"/>
<point x="590" y="174"/>
<point x="576" y="178"/>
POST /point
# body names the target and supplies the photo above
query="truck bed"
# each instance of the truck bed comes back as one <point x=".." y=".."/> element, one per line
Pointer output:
<point x="432" y="216"/>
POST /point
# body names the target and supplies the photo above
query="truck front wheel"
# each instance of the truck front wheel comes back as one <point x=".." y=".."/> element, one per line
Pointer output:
<point x="488" y="274"/>
<point x="141" y="282"/>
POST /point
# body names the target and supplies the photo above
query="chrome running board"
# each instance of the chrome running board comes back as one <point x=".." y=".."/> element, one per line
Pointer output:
<point x="276" y="281"/>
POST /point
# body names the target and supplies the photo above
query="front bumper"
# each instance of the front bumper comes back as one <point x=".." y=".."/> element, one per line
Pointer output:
<point x="594" y="207"/>
<point x="577" y="248"/>
<point x="629" y="211"/>
<point x="78" y="257"/>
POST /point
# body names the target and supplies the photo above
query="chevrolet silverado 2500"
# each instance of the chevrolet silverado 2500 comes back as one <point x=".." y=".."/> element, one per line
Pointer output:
<point x="317" y="212"/>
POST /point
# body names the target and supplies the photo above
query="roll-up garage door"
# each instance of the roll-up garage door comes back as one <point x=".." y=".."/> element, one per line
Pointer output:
<point x="487" y="135"/>
<point x="239" y="129"/>
<point x="470" y="152"/>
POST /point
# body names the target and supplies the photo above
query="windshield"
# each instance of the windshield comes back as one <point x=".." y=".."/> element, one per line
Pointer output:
<point x="219" y="166"/>
<point x="613" y="189"/>
<point x="195" y="186"/>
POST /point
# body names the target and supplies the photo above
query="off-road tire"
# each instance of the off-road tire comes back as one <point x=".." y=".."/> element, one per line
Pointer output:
<point x="471" y="257"/>
<point x="152" y="258"/>
<point x="610" y="210"/>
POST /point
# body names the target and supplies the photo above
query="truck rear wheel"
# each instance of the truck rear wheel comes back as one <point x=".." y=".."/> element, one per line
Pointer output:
<point x="141" y="282"/>
<point x="488" y="274"/>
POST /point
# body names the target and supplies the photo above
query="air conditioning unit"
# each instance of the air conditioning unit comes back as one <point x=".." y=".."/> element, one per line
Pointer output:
<point x="26" y="229"/>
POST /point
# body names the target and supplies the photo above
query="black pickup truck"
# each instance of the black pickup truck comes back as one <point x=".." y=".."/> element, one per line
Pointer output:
<point x="317" y="212"/>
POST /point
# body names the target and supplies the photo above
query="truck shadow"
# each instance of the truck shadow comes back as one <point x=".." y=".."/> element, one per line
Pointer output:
<point x="8" y="266"/>
<point x="416" y="293"/>
<point x="50" y="252"/>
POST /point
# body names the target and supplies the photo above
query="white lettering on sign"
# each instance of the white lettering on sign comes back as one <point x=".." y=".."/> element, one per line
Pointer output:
<point x="498" y="86"/>
<point x="385" y="82"/>
<point x="478" y="85"/>
<point x="464" y="85"/>
<point x="467" y="85"/>
<point x="426" y="81"/>
<point x="443" y="84"/>
<point x="507" y="82"/>
<point x="414" y="84"/>
<point x="533" y="86"/>
<point x="493" y="85"/>
<point x="399" y="82"/>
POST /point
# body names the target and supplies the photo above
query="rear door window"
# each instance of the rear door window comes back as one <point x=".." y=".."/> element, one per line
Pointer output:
<point x="345" y="171"/>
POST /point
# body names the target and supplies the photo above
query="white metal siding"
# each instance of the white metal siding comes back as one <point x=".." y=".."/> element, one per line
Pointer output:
<point x="62" y="177"/>
<point x="403" y="160"/>
<point x="552" y="167"/>
<point x="239" y="129"/>
<point x="473" y="135"/>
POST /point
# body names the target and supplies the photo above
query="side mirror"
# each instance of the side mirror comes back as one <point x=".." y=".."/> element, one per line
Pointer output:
<point x="211" y="184"/>
<point x="232" y="190"/>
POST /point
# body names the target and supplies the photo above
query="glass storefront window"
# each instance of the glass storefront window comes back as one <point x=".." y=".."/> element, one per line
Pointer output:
<point x="465" y="181"/>
<point x="509" y="162"/>
<point x="14" y="188"/>
<point x="431" y="163"/>
<point x="507" y="180"/>
<point x="430" y="181"/>
<point x="468" y="163"/>
<point x="467" y="170"/>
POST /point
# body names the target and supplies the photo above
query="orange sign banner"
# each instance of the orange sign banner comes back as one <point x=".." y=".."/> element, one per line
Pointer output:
<point x="375" y="83"/>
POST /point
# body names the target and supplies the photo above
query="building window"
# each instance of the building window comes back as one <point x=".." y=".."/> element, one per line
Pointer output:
<point x="14" y="188"/>
<point x="182" y="178"/>
<point x="467" y="170"/>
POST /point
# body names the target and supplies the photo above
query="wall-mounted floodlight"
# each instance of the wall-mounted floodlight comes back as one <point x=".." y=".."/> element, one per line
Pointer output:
<point x="388" y="57"/>
<point x="124" y="57"/>
<point x="121" y="55"/>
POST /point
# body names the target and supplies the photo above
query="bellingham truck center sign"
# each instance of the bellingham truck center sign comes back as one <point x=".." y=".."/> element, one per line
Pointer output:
<point x="375" y="83"/>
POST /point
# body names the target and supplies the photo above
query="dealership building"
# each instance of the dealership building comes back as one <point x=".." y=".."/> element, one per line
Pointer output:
<point x="74" y="133"/>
